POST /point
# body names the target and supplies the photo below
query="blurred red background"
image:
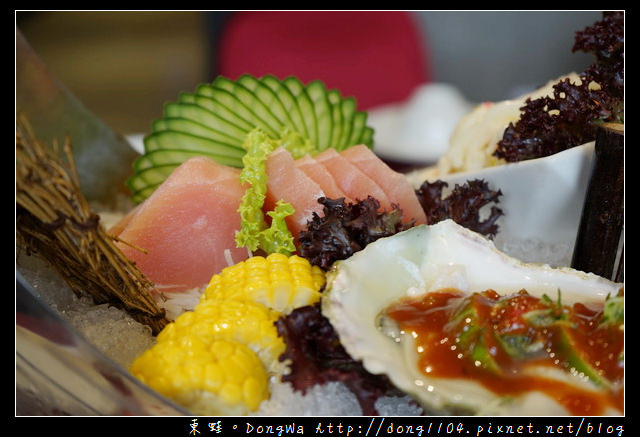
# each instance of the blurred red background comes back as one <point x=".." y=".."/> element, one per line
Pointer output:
<point x="378" y="57"/>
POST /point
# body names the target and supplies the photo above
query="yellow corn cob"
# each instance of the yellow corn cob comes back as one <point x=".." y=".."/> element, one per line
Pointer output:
<point x="249" y="323"/>
<point x="219" y="377"/>
<point x="280" y="282"/>
<point x="217" y="359"/>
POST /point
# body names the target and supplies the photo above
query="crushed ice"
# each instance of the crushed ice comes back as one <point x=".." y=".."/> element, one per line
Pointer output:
<point x="122" y="339"/>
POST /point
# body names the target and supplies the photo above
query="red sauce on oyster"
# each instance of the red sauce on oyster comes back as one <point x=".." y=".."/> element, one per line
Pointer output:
<point x="496" y="340"/>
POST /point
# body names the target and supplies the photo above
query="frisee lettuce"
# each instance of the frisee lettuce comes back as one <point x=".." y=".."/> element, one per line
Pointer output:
<point x="254" y="231"/>
<point x="277" y="238"/>
<point x="297" y="144"/>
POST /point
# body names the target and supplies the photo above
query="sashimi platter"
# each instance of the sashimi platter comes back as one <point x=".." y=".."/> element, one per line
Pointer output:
<point x="263" y="259"/>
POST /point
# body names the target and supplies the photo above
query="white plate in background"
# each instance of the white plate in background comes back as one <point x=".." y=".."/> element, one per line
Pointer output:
<point x="137" y="142"/>
<point x="418" y="130"/>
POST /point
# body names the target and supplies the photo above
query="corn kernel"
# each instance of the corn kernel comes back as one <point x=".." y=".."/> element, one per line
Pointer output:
<point x="211" y="382"/>
<point x="217" y="358"/>
<point x="277" y="281"/>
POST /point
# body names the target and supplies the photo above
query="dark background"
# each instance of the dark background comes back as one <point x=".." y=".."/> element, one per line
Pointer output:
<point x="125" y="65"/>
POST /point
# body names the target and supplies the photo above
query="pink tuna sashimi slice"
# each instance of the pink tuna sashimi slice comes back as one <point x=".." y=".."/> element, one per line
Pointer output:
<point x="287" y="182"/>
<point x="319" y="173"/>
<point x="398" y="189"/>
<point x="351" y="179"/>
<point x="187" y="226"/>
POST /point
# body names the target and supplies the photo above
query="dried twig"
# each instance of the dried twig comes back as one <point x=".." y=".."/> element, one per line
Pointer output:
<point x="54" y="220"/>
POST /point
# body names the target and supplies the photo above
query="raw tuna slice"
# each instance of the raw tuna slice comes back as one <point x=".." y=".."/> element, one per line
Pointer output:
<point x="287" y="182"/>
<point x="394" y="184"/>
<point x="322" y="177"/>
<point x="351" y="179"/>
<point x="187" y="226"/>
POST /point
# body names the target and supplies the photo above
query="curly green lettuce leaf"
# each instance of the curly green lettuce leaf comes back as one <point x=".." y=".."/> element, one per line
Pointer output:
<point x="254" y="231"/>
<point x="277" y="238"/>
<point x="297" y="144"/>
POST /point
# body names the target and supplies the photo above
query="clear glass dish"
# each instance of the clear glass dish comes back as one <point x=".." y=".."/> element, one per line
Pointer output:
<point x="59" y="372"/>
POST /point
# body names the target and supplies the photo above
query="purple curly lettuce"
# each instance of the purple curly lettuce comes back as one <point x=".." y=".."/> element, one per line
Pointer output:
<point x="462" y="205"/>
<point x="313" y="348"/>
<point x="570" y="116"/>
<point x="346" y="228"/>
<point x="605" y="41"/>
<point x="317" y="357"/>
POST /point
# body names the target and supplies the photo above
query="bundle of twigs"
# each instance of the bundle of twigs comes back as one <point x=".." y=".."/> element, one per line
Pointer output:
<point x="54" y="220"/>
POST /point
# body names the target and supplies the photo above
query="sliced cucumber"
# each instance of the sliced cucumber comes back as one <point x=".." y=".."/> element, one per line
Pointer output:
<point x="358" y="125"/>
<point x="214" y="121"/>
<point x="298" y="91"/>
<point x="367" y="136"/>
<point x="269" y="98"/>
<point x="217" y="108"/>
<point x="205" y="117"/>
<point x="251" y="102"/>
<point x="335" y="100"/>
<point x="163" y="157"/>
<point x="192" y="127"/>
<point x="289" y="102"/>
<point x="348" y="112"/>
<point x="141" y="195"/>
<point x="166" y="150"/>
<point x="153" y="167"/>
<point x="234" y="104"/>
<point x="150" y="177"/>
<point x="191" y="143"/>
<point x="317" y="92"/>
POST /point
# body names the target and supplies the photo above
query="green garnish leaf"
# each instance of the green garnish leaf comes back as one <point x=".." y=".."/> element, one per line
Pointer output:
<point x="548" y="301"/>
<point x="552" y="315"/>
<point x="277" y="238"/>
<point x="480" y="354"/>
<point x="253" y="173"/>
<point x="254" y="231"/>
<point x="297" y="144"/>
<point x="520" y="345"/>
<point x="613" y="312"/>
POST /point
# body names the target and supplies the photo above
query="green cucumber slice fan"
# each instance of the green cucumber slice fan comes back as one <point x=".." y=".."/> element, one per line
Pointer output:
<point x="214" y="120"/>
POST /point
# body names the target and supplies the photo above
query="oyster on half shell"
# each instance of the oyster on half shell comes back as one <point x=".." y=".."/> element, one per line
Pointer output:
<point x="426" y="259"/>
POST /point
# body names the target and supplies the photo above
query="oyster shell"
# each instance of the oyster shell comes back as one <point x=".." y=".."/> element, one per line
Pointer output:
<point x="428" y="258"/>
